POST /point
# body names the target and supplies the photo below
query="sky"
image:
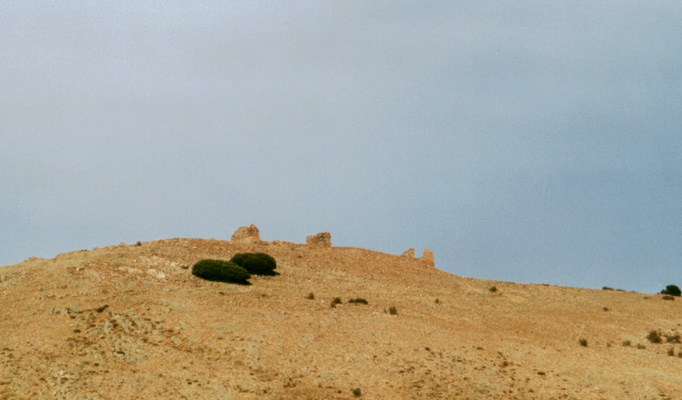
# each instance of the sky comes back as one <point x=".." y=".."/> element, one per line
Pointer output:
<point x="533" y="142"/>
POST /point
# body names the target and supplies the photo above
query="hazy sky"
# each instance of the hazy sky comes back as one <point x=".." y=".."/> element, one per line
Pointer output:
<point x="525" y="141"/>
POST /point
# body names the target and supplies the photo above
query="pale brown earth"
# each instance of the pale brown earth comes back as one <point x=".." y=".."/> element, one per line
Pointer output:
<point x="129" y="322"/>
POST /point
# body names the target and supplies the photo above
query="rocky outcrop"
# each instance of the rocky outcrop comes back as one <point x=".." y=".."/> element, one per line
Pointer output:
<point x="320" y="240"/>
<point x="408" y="253"/>
<point x="246" y="234"/>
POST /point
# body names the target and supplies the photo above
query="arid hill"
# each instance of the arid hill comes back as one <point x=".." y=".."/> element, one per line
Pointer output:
<point x="131" y="321"/>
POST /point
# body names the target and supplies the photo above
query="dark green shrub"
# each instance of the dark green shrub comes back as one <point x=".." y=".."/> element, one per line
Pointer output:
<point x="493" y="289"/>
<point x="337" y="300"/>
<point x="256" y="263"/>
<point x="392" y="310"/>
<point x="267" y="260"/>
<point x="667" y="297"/>
<point x="672" y="290"/>
<point x="654" y="337"/>
<point x="221" y="271"/>
<point x="310" y="296"/>
<point x="583" y="342"/>
<point x="358" y="301"/>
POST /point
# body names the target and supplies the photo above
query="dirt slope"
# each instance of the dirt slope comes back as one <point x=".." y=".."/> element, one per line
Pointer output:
<point x="131" y="321"/>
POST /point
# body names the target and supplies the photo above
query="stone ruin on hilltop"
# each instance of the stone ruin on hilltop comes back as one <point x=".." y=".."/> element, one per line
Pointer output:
<point x="251" y="234"/>
<point x="426" y="259"/>
<point x="320" y="240"/>
<point x="247" y="234"/>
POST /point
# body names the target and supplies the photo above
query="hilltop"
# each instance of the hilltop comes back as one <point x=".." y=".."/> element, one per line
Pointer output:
<point x="131" y="321"/>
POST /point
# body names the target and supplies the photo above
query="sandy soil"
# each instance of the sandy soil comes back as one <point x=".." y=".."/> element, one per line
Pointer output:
<point x="130" y="321"/>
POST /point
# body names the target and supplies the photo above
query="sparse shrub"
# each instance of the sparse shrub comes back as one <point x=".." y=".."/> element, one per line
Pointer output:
<point x="654" y="337"/>
<point x="310" y="296"/>
<point x="667" y="297"/>
<point x="357" y="392"/>
<point x="671" y="352"/>
<point x="221" y="271"/>
<point x="627" y="343"/>
<point x="138" y="244"/>
<point x="583" y="342"/>
<point x="605" y="309"/>
<point x="672" y="290"/>
<point x="358" y="301"/>
<point x="607" y="288"/>
<point x="641" y="346"/>
<point x="337" y="300"/>
<point x="437" y="301"/>
<point x="392" y="310"/>
<point x="493" y="289"/>
<point x="256" y="263"/>
<point x="673" y="338"/>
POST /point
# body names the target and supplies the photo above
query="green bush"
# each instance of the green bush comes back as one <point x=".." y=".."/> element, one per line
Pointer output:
<point x="221" y="271"/>
<point x="654" y="337"/>
<point x="672" y="290"/>
<point x="256" y="263"/>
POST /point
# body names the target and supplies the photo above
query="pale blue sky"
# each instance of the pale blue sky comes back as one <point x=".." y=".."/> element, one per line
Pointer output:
<point x="520" y="141"/>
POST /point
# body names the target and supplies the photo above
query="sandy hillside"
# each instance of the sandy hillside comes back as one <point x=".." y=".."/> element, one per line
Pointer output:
<point x="130" y="321"/>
